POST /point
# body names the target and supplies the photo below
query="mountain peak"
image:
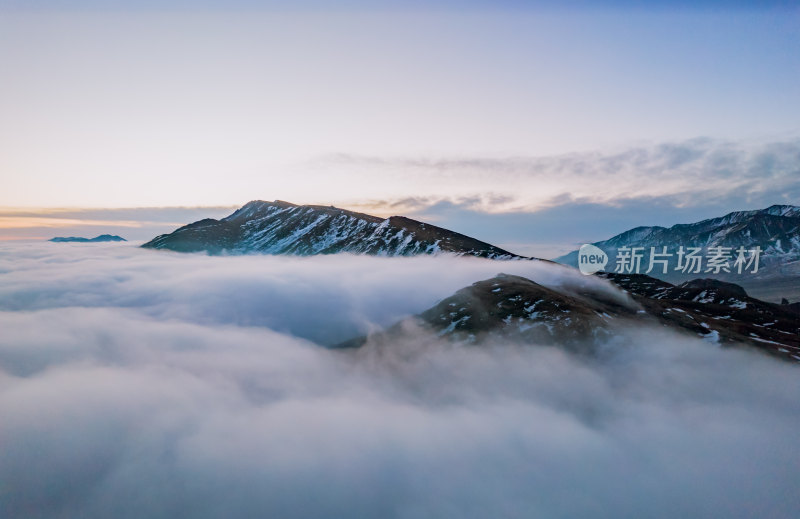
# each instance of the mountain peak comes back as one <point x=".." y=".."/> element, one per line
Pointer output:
<point x="782" y="210"/>
<point x="281" y="227"/>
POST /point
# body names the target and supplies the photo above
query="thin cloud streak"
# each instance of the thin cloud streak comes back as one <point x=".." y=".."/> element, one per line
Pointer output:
<point x="138" y="224"/>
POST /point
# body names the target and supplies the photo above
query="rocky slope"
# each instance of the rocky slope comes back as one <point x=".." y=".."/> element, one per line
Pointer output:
<point x="518" y="308"/>
<point x="582" y="317"/>
<point x="717" y="310"/>
<point x="284" y="228"/>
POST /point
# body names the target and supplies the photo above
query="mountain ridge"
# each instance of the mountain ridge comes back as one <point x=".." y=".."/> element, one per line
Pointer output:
<point x="80" y="239"/>
<point x="280" y="227"/>
<point x="775" y="230"/>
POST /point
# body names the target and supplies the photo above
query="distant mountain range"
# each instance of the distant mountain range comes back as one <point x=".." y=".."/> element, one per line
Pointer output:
<point x="581" y="317"/>
<point x="102" y="237"/>
<point x="775" y="230"/>
<point x="283" y="228"/>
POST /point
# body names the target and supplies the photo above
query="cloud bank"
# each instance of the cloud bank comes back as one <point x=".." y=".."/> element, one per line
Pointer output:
<point x="138" y="383"/>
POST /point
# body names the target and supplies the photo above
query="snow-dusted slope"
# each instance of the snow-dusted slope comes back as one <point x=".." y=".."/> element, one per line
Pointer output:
<point x="580" y="318"/>
<point x="513" y="306"/>
<point x="775" y="229"/>
<point x="284" y="228"/>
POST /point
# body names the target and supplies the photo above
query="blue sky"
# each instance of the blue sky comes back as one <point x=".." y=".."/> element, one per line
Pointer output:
<point x="155" y="104"/>
<point x="367" y="4"/>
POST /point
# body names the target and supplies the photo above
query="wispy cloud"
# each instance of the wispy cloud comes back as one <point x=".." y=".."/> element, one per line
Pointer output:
<point x="683" y="174"/>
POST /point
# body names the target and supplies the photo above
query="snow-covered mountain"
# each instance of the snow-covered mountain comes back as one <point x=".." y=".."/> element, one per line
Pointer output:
<point x="581" y="317"/>
<point x="776" y="230"/>
<point x="283" y="228"/>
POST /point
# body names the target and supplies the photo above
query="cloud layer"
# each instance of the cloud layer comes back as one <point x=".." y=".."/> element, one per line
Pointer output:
<point x="144" y="384"/>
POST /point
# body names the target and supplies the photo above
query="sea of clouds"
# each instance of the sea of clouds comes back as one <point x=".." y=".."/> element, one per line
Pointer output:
<point x="139" y="383"/>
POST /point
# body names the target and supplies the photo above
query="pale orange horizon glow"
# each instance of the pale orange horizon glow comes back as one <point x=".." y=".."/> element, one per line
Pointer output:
<point x="22" y="238"/>
<point x="23" y="222"/>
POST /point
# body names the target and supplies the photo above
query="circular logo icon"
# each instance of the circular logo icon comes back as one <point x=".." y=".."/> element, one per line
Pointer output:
<point x="591" y="259"/>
